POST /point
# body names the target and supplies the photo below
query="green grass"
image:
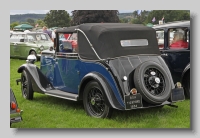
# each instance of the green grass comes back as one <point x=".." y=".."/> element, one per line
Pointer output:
<point x="51" y="112"/>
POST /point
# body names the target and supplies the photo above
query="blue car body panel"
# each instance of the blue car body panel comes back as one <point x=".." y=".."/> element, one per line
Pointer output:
<point x="66" y="74"/>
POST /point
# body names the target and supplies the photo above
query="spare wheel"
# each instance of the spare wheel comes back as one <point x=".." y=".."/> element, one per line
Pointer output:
<point x="152" y="82"/>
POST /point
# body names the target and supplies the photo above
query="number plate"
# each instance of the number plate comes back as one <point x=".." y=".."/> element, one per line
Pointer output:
<point x="133" y="101"/>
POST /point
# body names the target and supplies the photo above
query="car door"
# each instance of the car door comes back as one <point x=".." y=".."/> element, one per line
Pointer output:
<point x="28" y="43"/>
<point x="177" y="59"/>
<point x="14" y="45"/>
<point x="68" y="67"/>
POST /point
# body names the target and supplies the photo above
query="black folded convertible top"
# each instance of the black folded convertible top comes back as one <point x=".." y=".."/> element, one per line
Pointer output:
<point x="106" y="37"/>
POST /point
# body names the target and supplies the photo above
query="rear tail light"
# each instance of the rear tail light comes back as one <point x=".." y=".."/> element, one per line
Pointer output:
<point x="13" y="105"/>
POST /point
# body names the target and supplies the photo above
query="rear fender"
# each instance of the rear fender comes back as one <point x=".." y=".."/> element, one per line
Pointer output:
<point x="110" y="97"/>
<point x="185" y="71"/>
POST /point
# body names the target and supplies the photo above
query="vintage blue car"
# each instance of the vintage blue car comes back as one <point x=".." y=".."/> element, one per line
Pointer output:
<point x="176" y="54"/>
<point x="114" y="66"/>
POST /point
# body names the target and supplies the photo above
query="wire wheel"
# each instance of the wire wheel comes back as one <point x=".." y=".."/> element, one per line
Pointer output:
<point x="26" y="86"/>
<point x="96" y="102"/>
<point x="154" y="81"/>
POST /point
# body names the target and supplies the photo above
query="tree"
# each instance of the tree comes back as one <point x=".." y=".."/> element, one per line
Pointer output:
<point x="169" y="15"/>
<point x="40" y="23"/>
<point x="31" y="21"/>
<point x="124" y="20"/>
<point x="57" y="18"/>
<point x="135" y="14"/>
<point x="12" y="25"/>
<point x="94" y="16"/>
<point x="140" y="18"/>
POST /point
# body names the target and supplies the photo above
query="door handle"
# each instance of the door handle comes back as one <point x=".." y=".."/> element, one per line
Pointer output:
<point x="164" y="54"/>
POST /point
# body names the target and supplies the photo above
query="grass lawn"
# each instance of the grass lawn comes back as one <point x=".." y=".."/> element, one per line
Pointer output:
<point x="51" y="112"/>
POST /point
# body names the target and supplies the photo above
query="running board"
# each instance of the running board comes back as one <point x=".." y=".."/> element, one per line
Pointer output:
<point x="61" y="94"/>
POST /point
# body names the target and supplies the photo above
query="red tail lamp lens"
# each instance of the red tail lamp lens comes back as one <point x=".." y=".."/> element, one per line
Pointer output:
<point x="13" y="105"/>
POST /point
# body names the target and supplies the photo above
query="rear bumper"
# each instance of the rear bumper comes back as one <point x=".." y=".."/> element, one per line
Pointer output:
<point x="16" y="117"/>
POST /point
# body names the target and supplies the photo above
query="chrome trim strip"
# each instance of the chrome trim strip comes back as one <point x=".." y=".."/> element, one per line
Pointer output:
<point x="90" y="44"/>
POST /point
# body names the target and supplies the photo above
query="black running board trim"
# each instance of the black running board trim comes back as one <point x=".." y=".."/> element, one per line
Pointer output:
<point x="61" y="94"/>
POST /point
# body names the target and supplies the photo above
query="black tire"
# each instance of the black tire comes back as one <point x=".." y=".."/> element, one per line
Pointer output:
<point x="94" y="101"/>
<point x="187" y="85"/>
<point x="26" y="86"/>
<point x="33" y="53"/>
<point x="152" y="82"/>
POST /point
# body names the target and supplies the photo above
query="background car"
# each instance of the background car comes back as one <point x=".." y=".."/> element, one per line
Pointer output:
<point x="15" y="112"/>
<point x="23" y="44"/>
<point x="177" y="58"/>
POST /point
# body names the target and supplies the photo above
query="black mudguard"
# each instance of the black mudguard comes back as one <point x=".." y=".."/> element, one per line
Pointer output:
<point x="39" y="82"/>
<point x="111" y="99"/>
<point x="187" y="68"/>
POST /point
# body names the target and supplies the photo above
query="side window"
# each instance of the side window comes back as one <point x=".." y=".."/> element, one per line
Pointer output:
<point x="64" y="46"/>
<point x="38" y="37"/>
<point x="73" y="36"/>
<point x="178" y="38"/>
<point x="160" y="38"/>
<point x="30" y="38"/>
<point x="16" y="37"/>
<point x="13" y="38"/>
<point x="44" y="37"/>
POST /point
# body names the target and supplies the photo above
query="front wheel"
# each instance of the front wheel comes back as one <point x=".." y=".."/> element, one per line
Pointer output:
<point x="94" y="101"/>
<point x="26" y="86"/>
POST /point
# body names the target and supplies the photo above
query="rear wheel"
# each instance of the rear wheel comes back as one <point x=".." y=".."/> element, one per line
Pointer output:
<point x="94" y="101"/>
<point x="152" y="81"/>
<point x="26" y="86"/>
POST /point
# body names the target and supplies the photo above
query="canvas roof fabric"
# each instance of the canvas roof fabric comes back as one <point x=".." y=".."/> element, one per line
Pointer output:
<point x="105" y="39"/>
